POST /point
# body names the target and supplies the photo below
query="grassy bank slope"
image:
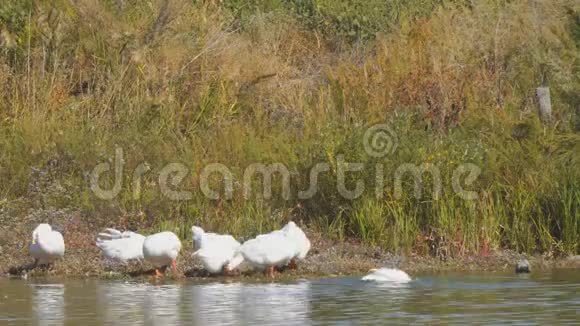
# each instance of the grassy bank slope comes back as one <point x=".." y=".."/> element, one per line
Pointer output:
<point x="299" y="83"/>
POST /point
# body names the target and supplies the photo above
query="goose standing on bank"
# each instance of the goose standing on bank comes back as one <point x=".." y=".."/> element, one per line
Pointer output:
<point x="275" y="249"/>
<point x="214" y="250"/>
<point x="302" y="244"/>
<point x="121" y="246"/>
<point x="161" y="250"/>
<point x="265" y="252"/>
<point x="47" y="245"/>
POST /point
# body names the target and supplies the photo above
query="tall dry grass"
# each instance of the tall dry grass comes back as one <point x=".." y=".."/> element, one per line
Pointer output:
<point x="204" y="82"/>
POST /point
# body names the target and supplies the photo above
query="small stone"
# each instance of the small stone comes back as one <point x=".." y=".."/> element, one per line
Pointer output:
<point x="523" y="266"/>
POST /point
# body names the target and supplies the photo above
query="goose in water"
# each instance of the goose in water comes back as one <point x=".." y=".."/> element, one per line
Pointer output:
<point x="387" y="275"/>
<point x="121" y="246"/>
<point x="214" y="250"/>
<point x="161" y="250"/>
<point x="47" y="245"/>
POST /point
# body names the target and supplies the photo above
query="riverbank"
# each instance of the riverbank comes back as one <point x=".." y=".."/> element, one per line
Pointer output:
<point x="164" y="94"/>
<point x="328" y="258"/>
<point x="413" y="129"/>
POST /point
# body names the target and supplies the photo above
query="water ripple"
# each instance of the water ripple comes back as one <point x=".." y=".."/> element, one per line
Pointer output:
<point x="551" y="298"/>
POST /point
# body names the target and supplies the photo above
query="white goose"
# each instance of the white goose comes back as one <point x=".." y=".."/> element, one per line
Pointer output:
<point x="277" y="248"/>
<point x="265" y="252"/>
<point x="121" y="246"/>
<point x="47" y="245"/>
<point x="161" y="250"/>
<point x="295" y="233"/>
<point x="214" y="250"/>
<point x="387" y="275"/>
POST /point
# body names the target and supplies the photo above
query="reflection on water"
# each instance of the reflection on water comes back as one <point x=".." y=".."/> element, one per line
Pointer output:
<point x="214" y="303"/>
<point x="551" y="298"/>
<point x="48" y="304"/>
<point x="162" y="304"/>
<point x="251" y="304"/>
<point x="120" y="303"/>
<point x="331" y="297"/>
<point x="275" y="304"/>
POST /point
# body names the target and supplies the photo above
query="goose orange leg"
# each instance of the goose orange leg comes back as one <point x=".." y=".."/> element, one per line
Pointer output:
<point x="226" y="271"/>
<point x="270" y="271"/>
<point x="292" y="264"/>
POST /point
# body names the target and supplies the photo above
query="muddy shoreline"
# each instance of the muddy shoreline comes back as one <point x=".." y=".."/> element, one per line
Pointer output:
<point x="328" y="258"/>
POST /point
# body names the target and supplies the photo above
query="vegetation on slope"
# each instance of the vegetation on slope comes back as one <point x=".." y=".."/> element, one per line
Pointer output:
<point x="297" y="82"/>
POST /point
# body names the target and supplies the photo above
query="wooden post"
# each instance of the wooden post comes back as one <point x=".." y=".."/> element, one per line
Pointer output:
<point x="544" y="103"/>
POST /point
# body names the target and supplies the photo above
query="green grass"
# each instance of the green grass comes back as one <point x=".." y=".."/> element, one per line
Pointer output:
<point x="299" y="83"/>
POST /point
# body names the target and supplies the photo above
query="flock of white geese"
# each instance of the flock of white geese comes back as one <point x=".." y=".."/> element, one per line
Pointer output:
<point x="218" y="253"/>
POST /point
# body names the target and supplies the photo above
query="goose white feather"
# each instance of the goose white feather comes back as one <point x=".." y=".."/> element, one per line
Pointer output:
<point x="121" y="246"/>
<point x="161" y="249"/>
<point x="281" y="246"/>
<point x="47" y="245"/>
<point x="214" y="250"/>
<point x="299" y="238"/>
<point x="277" y="248"/>
<point x="387" y="275"/>
<point x="266" y="250"/>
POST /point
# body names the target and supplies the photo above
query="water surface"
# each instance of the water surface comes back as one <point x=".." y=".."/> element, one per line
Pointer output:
<point x="546" y="298"/>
